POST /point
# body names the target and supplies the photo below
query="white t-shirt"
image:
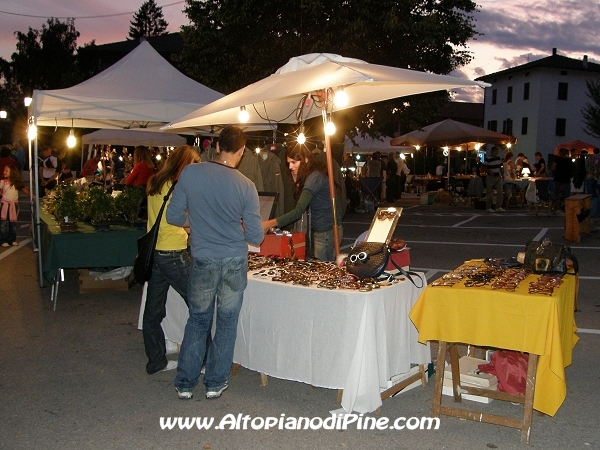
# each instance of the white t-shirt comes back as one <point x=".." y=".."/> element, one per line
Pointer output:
<point x="49" y="172"/>
<point x="9" y="193"/>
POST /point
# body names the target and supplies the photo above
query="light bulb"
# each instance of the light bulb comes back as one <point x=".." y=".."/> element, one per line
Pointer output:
<point x="158" y="157"/>
<point x="32" y="132"/>
<point x="257" y="150"/>
<point x="71" y="141"/>
<point x="477" y="146"/>
<point x="3" y="114"/>
<point x="243" y="115"/>
<point x="417" y="147"/>
<point x="27" y="101"/>
<point x="341" y="98"/>
<point x="301" y="138"/>
<point x="330" y="128"/>
<point x="402" y="156"/>
<point x="509" y="145"/>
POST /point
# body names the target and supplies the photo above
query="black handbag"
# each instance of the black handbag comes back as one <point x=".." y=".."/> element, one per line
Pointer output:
<point x="546" y="257"/>
<point x="142" y="266"/>
<point x="367" y="259"/>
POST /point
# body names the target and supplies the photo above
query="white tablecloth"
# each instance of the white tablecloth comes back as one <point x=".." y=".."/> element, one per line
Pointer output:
<point x="337" y="339"/>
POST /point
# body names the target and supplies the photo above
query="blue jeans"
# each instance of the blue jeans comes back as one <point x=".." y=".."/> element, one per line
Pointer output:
<point x="323" y="247"/>
<point x="170" y="268"/>
<point x="8" y="231"/>
<point x="219" y="281"/>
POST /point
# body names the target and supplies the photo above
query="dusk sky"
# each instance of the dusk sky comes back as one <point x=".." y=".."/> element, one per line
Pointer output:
<point x="514" y="31"/>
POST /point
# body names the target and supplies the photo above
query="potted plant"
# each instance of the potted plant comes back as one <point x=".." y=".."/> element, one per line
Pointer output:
<point x="63" y="204"/>
<point x="128" y="204"/>
<point x="99" y="207"/>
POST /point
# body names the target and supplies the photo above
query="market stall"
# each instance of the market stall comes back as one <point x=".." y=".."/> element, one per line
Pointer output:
<point x="336" y="339"/>
<point x="538" y="321"/>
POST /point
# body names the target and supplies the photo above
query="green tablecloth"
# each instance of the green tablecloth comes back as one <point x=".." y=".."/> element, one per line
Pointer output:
<point x="86" y="247"/>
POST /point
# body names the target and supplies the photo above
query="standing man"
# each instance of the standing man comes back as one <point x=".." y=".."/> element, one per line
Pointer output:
<point x="221" y="207"/>
<point x="493" y="166"/>
<point x="48" y="173"/>
<point x="392" y="179"/>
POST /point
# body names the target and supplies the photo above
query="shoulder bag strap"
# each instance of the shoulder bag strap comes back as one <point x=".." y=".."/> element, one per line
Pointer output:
<point x="408" y="274"/>
<point x="162" y="208"/>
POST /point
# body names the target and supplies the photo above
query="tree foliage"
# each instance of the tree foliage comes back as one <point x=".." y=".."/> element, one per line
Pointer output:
<point x="148" y="21"/>
<point x="591" y="111"/>
<point x="231" y="43"/>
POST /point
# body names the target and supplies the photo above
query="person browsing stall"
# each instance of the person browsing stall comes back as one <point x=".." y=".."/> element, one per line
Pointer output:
<point x="223" y="213"/>
<point x="172" y="260"/>
<point x="493" y="167"/>
<point x="311" y="190"/>
<point x="143" y="167"/>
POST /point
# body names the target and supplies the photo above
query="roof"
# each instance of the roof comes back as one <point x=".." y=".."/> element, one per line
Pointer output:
<point x="554" y="61"/>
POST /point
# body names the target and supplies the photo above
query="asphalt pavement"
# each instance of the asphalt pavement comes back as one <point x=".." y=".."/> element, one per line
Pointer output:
<point x="75" y="378"/>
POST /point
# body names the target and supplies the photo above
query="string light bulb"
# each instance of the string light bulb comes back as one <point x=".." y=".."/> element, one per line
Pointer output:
<point x="71" y="141"/>
<point x="509" y="145"/>
<point x="340" y="99"/>
<point x="301" y="139"/>
<point x="329" y="128"/>
<point x="32" y="131"/>
<point x="243" y="115"/>
<point x="417" y="147"/>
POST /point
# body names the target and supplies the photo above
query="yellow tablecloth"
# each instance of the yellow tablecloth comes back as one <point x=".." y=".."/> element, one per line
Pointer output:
<point x="533" y="323"/>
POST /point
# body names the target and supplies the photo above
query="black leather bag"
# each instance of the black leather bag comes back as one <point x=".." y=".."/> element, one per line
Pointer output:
<point x="142" y="266"/>
<point x="546" y="257"/>
<point x="367" y="259"/>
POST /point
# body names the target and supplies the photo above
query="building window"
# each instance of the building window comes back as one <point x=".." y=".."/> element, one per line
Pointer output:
<point x="493" y="125"/>
<point x="563" y="91"/>
<point x="509" y="95"/>
<point x="494" y="96"/>
<point x="526" y="91"/>
<point x="507" y="127"/>
<point x="524" y="123"/>
<point x="561" y="127"/>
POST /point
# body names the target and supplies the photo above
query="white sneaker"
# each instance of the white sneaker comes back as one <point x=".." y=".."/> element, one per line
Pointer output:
<point x="184" y="394"/>
<point x="490" y="210"/>
<point x="170" y="366"/>
<point x="216" y="393"/>
<point x="500" y="209"/>
<point x="5" y="244"/>
<point x="15" y="243"/>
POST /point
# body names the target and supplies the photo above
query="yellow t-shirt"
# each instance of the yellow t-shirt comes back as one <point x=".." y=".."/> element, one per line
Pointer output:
<point x="170" y="237"/>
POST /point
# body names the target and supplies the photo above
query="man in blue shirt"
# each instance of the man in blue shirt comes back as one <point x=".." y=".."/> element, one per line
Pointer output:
<point x="221" y="207"/>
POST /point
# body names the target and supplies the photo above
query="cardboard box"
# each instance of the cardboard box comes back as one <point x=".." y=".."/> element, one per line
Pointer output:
<point x="469" y="373"/>
<point x="89" y="285"/>
<point x="470" y="378"/>
<point x="280" y="246"/>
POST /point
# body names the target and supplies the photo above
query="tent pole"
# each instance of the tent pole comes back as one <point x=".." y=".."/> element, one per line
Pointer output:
<point x="37" y="210"/>
<point x="32" y="195"/>
<point x="329" y="157"/>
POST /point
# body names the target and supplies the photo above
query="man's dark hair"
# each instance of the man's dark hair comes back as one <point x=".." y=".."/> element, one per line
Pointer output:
<point x="231" y="139"/>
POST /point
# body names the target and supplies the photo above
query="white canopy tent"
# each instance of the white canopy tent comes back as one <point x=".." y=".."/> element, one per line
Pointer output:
<point x="142" y="90"/>
<point x="368" y="144"/>
<point x="132" y="138"/>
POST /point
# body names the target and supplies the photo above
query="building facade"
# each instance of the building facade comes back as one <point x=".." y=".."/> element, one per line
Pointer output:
<point x="540" y="102"/>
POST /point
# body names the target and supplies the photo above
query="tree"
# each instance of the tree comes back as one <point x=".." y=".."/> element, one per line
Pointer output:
<point x="232" y="43"/>
<point x="148" y="21"/>
<point x="45" y="59"/>
<point x="591" y="111"/>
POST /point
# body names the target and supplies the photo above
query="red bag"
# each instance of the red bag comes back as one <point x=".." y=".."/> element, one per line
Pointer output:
<point x="510" y="367"/>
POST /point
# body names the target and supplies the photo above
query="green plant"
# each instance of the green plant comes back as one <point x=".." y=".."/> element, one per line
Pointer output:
<point x="98" y="205"/>
<point x="63" y="204"/>
<point x="128" y="202"/>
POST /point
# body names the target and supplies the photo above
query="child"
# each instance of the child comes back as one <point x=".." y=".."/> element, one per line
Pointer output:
<point x="9" y="206"/>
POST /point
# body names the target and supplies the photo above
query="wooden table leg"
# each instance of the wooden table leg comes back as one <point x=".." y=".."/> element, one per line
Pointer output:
<point x="235" y="367"/>
<point x="529" y="391"/>
<point x="455" y="367"/>
<point x="439" y="379"/>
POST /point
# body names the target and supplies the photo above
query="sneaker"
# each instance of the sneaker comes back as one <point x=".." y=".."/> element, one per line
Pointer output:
<point x="490" y="210"/>
<point x="5" y="244"/>
<point x="170" y="366"/>
<point x="500" y="209"/>
<point x="15" y="243"/>
<point x="184" y="394"/>
<point x="217" y="393"/>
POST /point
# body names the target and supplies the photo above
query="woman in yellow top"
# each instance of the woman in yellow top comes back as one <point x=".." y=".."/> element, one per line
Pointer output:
<point x="171" y="259"/>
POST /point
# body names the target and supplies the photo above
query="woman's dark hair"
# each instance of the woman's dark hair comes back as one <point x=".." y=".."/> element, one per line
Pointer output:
<point x="508" y="156"/>
<point x="231" y="139"/>
<point x="177" y="160"/>
<point x="308" y="164"/>
<point x="142" y="153"/>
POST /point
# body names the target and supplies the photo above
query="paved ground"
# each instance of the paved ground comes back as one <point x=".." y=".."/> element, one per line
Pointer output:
<point x="75" y="378"/>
